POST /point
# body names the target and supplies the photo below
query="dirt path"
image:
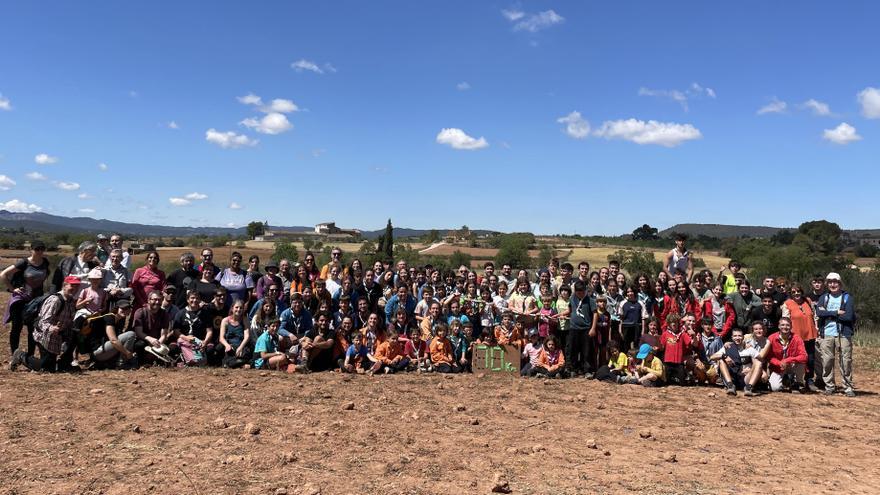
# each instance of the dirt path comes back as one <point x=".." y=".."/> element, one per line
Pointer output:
<point x="185" y="431"/>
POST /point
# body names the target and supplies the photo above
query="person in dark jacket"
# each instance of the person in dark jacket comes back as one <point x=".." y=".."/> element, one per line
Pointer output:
<point x="836" y="312"/>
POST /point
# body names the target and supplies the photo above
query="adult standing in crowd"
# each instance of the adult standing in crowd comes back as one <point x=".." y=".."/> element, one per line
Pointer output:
<point x="335" y="260"/>
<point x="253" y="269"/>
<point x="53" y="331"/>
<point x="679" y="259"/>
<point x="183" y="278"/>
<point x="739" y="307"/>
<point x="799" y="310"/>
<point x="235" y="280"/>
<point x="208" y="259"/>
<point x="147" y="279"/>
<point x="79" y="265"/>
<point x="836" y="312"/>
<point x="269" y="279"/>
<point x="116" y="243"/>
<point x="117" y="278"/>
<point x="25" y="280"/>
<point x="104" y="248"/>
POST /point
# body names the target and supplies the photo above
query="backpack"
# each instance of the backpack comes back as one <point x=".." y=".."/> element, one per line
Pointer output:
<point x="192" y="353"/>
<point x="33" y="307"/>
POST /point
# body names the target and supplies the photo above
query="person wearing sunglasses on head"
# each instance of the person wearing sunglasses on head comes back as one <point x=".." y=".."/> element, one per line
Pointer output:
<point x="25" y="280"/>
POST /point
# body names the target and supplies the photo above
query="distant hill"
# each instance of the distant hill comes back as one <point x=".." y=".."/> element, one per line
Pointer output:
<point x="44" y="222"/>
<point x="722" y="231"/>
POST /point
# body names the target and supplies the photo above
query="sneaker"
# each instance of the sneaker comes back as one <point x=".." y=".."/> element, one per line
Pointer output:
<point x="850" y="393"/>
<point x="17" y="359"/>
<point x="589" y="376"/>
<point x="541" y="375"/>
<point x="811" y="386"/>
<point x="829" y="391"/>
<point x="748" y="392"/>
<point x="731" y="391"/>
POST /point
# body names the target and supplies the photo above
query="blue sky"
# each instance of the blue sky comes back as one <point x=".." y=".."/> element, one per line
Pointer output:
<point x="438" y="114"/>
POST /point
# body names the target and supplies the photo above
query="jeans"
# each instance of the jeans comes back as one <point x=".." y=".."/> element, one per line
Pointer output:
<point x="578" y="351"/>
<point x="107" y="352"/>
<point x="837" y="349"/>
<point x="16" y="314"/>
<point x="47" y="362"/>
<point x="810" y="347"/>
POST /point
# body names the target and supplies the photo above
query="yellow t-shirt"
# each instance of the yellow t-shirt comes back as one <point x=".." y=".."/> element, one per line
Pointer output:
<point x="620" y="363"/>
<point x="656" y="367"/>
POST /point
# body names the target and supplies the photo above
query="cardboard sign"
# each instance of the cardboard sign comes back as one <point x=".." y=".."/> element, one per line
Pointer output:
<point x="500" y="358"/>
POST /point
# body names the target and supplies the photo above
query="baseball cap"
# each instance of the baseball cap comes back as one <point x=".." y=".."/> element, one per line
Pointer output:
<point x="833" y="276"/>
<point x="644" y="350"/>
<point x="70" y="279"/>
<point x="122" y="303"/>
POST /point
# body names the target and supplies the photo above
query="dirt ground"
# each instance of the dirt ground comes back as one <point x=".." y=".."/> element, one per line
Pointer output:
<point x="206" y="431"/>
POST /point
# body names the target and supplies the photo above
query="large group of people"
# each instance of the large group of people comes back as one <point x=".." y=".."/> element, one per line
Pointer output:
<point x="676" y="327"/>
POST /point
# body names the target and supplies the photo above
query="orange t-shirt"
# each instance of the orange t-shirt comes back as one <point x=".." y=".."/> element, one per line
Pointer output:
<point x="441" y="351"/>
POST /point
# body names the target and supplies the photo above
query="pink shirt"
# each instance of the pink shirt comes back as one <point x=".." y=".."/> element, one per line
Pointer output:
<point x="95" y="299"/>
<point x="532" y="352"/>
<point x="145" y="281"/>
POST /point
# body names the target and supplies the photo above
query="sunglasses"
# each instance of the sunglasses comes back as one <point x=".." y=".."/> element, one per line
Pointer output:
<point x="207" y="256"/>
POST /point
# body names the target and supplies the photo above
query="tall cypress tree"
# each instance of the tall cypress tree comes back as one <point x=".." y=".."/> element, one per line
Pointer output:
<point x="389" y="240"/>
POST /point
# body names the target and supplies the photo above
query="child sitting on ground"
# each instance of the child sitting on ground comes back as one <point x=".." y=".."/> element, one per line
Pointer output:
<point x="650" y="370"/>
<point x="266" y="349"/>
<point x="390" y="356"/>
<point x="441" y="352"/>
<point x="616" y="369"/>
<point x="357" y="357"/>
<point x="417" y="351"/>
<point x="510" y="334"/>
<point x="530" y="353"/>
<point x="550" y="360"/>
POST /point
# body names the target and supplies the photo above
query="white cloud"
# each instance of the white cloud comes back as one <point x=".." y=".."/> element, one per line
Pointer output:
<point x="280" y="105"/>
<point x="102" y="167"/>
<point x="6" y="183"/>
<point x="681" y="97"/>
<point x="512" y="14"/>
<point x="249" y="99"/>
<point x="235" y="206"/>
<point x="575" y="125"/>
<point x="669" y="134"/>
<point x="5" y="104"/>
<point x="774" y="106"/>
<point x="18" y="206"/>
<point x="86" y="210"/>
<point x="459" y="140"/>
<point x="273" y="123"/>
<point x="228" y="139"/>
<point x="231" y="225"/>
<point x="44" y="159"/>
<point x="303" y="64"/>
<point x="196" y="195"/>
<point x="173" y="125"/>
<point x="536" y="22"/>
<point x="463" y="86"/>
<point x="35" y="176"/>
<point x="84" y="196"/>
<point x="179" y="201"/>
<point x="869" y="99"/>
<point x="317" y="152"/>
<point x="842" y="134"/>
<point x="67" y="186"/>
<point x="817" y="107"/>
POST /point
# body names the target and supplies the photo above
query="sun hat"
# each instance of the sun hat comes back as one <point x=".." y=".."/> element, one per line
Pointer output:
<point x="160" y="353"/>
<point x="271" y="264"/>
<point x="96" y="273"/>
<point x="833" y="276"/>
<point x="644" y="350"/>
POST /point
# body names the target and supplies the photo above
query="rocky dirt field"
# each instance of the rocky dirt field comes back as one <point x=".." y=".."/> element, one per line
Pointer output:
<point x="206" y="431"/>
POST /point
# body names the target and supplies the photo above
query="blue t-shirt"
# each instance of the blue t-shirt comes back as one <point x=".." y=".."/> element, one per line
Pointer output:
<point x="354" y="353"/>
<point x="266" y="343"/>
<point x="834" y="304"/>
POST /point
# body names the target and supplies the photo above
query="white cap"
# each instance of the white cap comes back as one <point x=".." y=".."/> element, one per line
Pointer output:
<point x="833" y="276"/>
